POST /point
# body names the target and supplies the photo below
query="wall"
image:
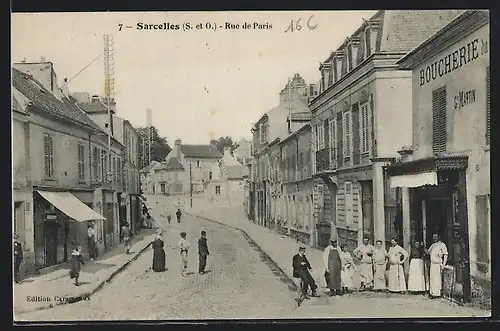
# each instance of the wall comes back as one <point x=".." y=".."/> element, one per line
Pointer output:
<point x="393" y="116"/>
<point x="20" y="167"/>
<point x="466" y="126"/>
<point x="65" y="140"/>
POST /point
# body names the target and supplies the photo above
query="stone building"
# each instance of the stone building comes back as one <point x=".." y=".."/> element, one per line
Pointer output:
<point x="444" y="174"/>
<point x="62" y="178"/>
<point x="361" y="117"/>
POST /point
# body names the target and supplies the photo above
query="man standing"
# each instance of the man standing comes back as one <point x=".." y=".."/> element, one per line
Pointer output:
<point x="178" y="214"/>
<point x="380" y="264"/>
<point x="91" y="241"/>
<point x="333" y="268"/>
<point x="364" y="253"/>
<point x="301" y="269"/>
<point x="184" y="247"/>
<point x="126" y="237"/>
<point x="439" y="256"/>
<point x="397" y="256"/>
<point x="202" y="252"/>
<point x="18" y="258"/>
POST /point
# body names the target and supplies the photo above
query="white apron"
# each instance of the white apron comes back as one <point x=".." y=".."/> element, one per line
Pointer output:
<point x="416" y="279"/>
<point x="397" y="281"/>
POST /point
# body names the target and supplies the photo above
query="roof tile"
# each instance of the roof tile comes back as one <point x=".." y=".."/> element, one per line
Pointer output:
<point x="201" y="151"/>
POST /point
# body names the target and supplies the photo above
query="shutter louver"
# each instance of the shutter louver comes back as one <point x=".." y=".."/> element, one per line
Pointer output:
<point x="488" y="105"/>
<point x="371" y="115"/>
<point x="46" y="148"/>
<point x="326" y="137"/>
<point x="355" y="134"/>
<point x="439" y="121"/>
<point x="340" y="141"/>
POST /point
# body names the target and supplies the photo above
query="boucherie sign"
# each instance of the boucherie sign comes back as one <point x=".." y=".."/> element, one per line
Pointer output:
<point x="452" y="61"/>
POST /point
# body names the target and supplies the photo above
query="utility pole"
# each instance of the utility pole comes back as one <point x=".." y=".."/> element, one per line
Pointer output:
<point x="190" y="185"/>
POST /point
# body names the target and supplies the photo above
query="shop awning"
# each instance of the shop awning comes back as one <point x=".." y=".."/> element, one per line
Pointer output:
<point x="71" y="206"/>
<point x="414" y="180"/>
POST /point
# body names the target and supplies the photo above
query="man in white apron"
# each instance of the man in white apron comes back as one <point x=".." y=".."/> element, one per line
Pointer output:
<point x="438" y="255"/>
<point x="365" y="254"/>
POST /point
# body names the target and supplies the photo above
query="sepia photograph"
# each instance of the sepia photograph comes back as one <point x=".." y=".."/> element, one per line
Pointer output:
<point x="250" y="165"/>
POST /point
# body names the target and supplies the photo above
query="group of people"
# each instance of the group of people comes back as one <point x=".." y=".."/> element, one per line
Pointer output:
<point x="373" y="264"/>
<point x="160" y="259"/>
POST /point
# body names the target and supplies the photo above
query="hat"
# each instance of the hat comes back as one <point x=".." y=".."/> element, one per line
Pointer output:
<point x="302" y="248"/>
<point x="333" y="241"/>
<point x="203" y="233"/>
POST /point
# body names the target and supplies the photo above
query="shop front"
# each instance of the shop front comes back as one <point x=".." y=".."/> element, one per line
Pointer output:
<point x="61" y="222"/>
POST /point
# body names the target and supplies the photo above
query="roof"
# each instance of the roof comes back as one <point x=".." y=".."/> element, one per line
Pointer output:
<point x="235" y="171"/>
<point x="201" y="151"/>
<point x="45" y="100"/>
<point x="93" y="107"/>
<point x="148" y="167"/>
<point x="293" y="134"/>
<point x="172" y="165"/>
<point x="16" y="105"/>
<point x="462" y="25"/>
<point x="302" y="116"/>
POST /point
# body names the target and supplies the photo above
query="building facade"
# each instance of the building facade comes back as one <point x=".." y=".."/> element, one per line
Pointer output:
<point x="445" y="173"/>
<point x="198" y="162"/>
<point x="148" y="178"/>
<point x="297" y="186"/>
<point x="56" y="195"/>
<point x="358" y="125"/>
<point x="267" y="131"/>
<point x="171" y="177"/>
<point x="243" y="151"/>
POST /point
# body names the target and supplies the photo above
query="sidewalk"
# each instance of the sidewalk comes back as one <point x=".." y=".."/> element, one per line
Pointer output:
<point x="280" y="250"/>
<point x="55" y="288"/>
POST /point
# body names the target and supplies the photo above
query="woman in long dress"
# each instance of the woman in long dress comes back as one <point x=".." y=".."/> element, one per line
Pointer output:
<point x="76" y="263"/>
<point x="348" y="269"/>
<point x="159" y="258"/>
<point x="416" y="279"/>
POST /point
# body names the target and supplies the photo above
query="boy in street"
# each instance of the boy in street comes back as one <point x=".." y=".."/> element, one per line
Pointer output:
<point x="18" y="258"/>
<point x="169" y="217"/>
<point x="184" y="247"/>
<point x="178" y="214"/>
<point x="202" y="252"/>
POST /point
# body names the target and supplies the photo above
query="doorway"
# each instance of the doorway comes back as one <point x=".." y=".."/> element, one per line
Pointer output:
<point x="51" y="230"/>
<point x="439" y="220"/>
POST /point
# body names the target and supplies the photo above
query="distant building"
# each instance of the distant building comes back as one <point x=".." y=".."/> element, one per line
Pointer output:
<point x="197" y="163"/>
<point x="148" y="178"/>
<point x="244" y="150"/>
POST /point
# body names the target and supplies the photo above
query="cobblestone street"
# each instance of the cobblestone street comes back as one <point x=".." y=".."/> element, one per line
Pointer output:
<point x="239" y="284"/>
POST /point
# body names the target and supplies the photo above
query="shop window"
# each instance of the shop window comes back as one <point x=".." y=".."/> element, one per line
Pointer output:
<point x="487" y="105"/>
<point x="439" y="120"/>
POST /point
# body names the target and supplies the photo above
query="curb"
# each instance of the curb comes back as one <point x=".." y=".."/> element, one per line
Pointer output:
<point x="291" y="282"/>
<point x="86" y="295"/>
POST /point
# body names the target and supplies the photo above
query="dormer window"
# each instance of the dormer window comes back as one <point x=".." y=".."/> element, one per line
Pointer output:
<point x="330" y="75"/>
<point x="368" y="48"/>
<point x="349" y="57"/>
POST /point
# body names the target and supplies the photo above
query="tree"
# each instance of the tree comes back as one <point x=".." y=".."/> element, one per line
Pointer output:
<point x="224" y="142"/>
<point x="159" y="146"/>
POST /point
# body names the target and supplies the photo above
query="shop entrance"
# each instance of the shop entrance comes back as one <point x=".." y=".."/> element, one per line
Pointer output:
<point x="438" y="218"/>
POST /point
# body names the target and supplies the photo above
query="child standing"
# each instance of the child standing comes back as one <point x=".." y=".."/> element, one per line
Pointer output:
<point x="202" y="252"/>
<point x="76" y="263"/>
<point x="184" y="247"/>
<point x="169" y="217"/>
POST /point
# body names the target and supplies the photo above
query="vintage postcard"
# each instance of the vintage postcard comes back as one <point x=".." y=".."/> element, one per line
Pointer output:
<point x="251" y="165"/>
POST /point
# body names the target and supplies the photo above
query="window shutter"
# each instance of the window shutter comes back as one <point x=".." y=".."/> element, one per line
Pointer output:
<point x="371" y="114"/>
<point x="355" y="133"/>
<point x="349" y="57"/>
<point x="348" y="137"/>
<point x="439" y="120"/>
<point x="333" y="144"/>
<point x="340" y="141"/>
<point x="326" y="131"/>
<point x="482" y="233"/>
<point x="367" y="43"/>
<point x="46" y="148"/>
<point x="488" y="105"/>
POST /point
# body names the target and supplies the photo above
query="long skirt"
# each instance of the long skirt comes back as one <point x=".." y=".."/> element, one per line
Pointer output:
<point x="416" y="279"/>
<point x="366" y="274"/>
<point x="379" y="280"/>
<point x="347" y="276"/>
<point x="334" y="279"/>
<point x="435" y="280"/>
<point x="397" y="282"/>
<point x="159" y="260"/>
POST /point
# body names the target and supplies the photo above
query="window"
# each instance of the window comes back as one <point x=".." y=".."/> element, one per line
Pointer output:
<point x="439" y="120"/>
<point x="368" y="50"/>
<point x="263" y="133"/>
<point x="197" y="164"/>
<point x="487" y="105"/>
<point x="95" y="164"/>
<point x="118" y="171"/>
<point x="365" y="127"/>
<point x="333" y="145"/>
<point x="217" y="190"/>
<point x="311" y="90"/>
<point x="81" y="162"/>
<point x="114" y="169"/>
<point x="348" y="202"/>
<point x="482" y="232"/>
<point x="349" y="57"/>
<point x="104" y="165"/>
<point x="48" y="147"/>
<point x="210" y="175"/>
<point x="320" y="136"/>
<point x="330" y="75"/>
<point x="347" y="135"/>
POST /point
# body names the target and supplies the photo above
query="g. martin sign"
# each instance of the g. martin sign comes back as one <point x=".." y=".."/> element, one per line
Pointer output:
<point x="464" y="98"/>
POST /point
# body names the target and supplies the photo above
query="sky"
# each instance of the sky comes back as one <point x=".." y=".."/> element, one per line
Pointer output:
<point x="199" y="84"/>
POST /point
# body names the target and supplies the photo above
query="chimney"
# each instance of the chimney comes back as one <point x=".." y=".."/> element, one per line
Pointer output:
<point x="227" y="152"/>
<point x="95" y="98"/>
<point x="178" y="148"/>
<point x="65" y="88"/>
